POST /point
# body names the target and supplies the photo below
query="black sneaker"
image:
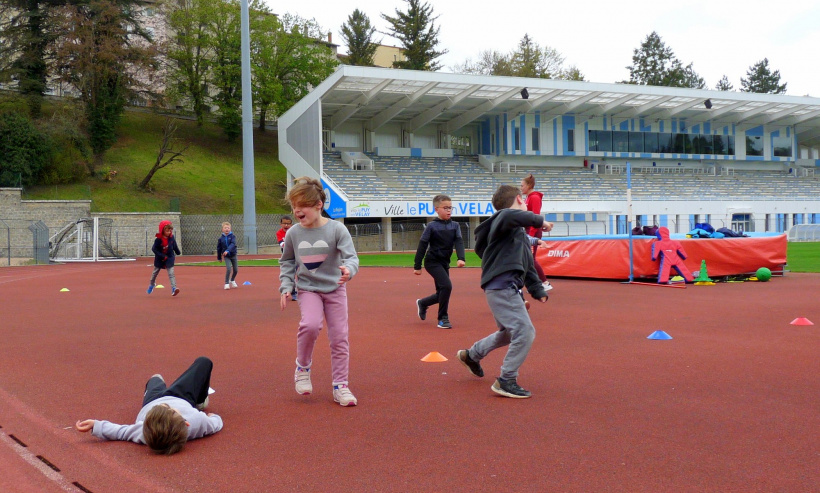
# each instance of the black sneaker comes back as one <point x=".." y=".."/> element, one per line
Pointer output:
<point x="422" y="310"/>
<point x="444" y="324"/>
<point x="509" y="388"/>
<point x="474" y="366"/>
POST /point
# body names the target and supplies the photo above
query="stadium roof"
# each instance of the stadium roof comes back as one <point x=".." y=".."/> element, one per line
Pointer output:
<point x="379" y="96"/>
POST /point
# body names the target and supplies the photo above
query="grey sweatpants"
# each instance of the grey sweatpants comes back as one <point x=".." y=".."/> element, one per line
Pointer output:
<point x="514" y="329"/>
<point x="171" y="277"/>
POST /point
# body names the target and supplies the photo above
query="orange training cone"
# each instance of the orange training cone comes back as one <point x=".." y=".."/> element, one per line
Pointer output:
<point x="434" y="357"/>
<point x="801" y="321"/>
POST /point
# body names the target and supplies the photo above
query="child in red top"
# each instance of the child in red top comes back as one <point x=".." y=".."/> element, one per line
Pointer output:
<point x="286" y="222"/>
<point x="534" y="205"/>
<point x="165" y="251"/>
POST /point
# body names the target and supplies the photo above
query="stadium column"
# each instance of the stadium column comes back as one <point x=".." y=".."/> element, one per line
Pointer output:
<point x="474" y="221"/>
<point x="387" y="228"/>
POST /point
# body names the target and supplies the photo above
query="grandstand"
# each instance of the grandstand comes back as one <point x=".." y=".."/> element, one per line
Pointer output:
<point x="386" y="141"/>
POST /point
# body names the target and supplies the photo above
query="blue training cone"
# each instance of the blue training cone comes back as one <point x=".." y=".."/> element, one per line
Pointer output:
<point x="246" y="283"/>
<point x="659" y="335"/>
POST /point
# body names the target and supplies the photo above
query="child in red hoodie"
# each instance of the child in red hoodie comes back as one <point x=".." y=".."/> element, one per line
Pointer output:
<point x="165" y="251"/>
<point x="534" y="205"/>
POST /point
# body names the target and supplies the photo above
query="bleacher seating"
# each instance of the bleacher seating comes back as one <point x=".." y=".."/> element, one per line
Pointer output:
<point x="463" y="178"/>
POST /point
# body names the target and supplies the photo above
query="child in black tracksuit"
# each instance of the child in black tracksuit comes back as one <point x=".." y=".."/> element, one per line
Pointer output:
<point x="165" y="251"/>
<point x="506" y="267"/>
<point x="436" y="248"/>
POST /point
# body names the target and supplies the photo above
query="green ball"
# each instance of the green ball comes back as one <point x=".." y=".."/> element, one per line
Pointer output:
<point x="763" y="274"/>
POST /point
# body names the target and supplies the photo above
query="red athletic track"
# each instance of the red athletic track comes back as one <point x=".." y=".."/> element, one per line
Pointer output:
<point x="729" y="405"/>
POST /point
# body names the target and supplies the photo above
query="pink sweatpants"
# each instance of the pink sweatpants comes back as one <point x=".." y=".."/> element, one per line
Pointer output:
<point x="332" y="307"/>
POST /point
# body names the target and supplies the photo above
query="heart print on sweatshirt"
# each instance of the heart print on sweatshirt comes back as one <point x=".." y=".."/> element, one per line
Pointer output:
<point x="313" y="255"/>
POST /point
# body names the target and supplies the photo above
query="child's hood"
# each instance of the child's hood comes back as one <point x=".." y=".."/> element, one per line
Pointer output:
<point x="162" y="225"/>
<point x="535" y="194"/>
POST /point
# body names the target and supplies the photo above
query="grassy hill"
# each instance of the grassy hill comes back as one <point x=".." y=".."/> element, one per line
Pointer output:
<point x="208" y="182"/>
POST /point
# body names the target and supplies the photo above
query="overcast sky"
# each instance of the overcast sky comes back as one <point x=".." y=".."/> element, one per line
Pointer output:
<point x="718" y="36"/>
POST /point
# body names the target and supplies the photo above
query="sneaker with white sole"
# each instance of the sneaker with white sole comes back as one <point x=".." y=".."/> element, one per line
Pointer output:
<point x="547" y="285"/>
<point x="150" y="289"/>
<point x="422" y="310"/>
<point x="474" y="366"/>
<point x="227" y="286"/>
<point x="302" y="380"/>
<point x="233" y="284"/>
<point x="343" y="395"/>
<point x="509" y="388"/>
<point x="174" y="291"/>
<point x="202" y="405"/>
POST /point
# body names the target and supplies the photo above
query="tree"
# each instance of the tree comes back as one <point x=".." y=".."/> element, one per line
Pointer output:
<point x="24" y="150"/>
<point x="655" y="64"/>
<point x="169" y="145"/>
<point x="760" y="79"/>
<point x="189" y="52"/>
<point x="529" y="59"/>
<point x="288" y="60"/>
<point x="227" y="65"/>
<point x="418" y="34"/>
<point x="357" y="33"/>
<point x="27" y="36"/>
<point x="690" y="78"/>
<point x="572" y="73"/>
<point x="532" y="60"/>
<point x="489" y="62"/>
<point x="724" y="84"/>
<point x="101" y="54"/>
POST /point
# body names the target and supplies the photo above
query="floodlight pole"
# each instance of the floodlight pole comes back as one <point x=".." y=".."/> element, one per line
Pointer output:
<point x="248" y="186"/>
<point x="629" y="218"/>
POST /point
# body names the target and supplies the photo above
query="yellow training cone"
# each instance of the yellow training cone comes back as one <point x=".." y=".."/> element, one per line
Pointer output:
<point x="159" y="286"/>
<point x="434" y="357"/>
<point x="64" y="290"/>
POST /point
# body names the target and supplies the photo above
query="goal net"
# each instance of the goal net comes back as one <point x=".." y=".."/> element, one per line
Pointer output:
<point x="86" y="240"/>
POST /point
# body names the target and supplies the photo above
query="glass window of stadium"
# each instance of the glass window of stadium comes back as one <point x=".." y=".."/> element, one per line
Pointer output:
<point x="536" y="141"/>
<point x="650" y="143"/>
<point x="620" y="141"/>
<point x="636" y="142"/>
<point x="517" y="138"/>
<point x="570" y="140"/>
<point x="754" y="146"/>
<point x="782" y="146"/>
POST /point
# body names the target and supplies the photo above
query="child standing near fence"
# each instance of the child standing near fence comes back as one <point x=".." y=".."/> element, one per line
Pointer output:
<point x="226" y="247"/>
<point x="165" y="251"/>
<point x="321" y="253"/>
<point x="435" y="248"/>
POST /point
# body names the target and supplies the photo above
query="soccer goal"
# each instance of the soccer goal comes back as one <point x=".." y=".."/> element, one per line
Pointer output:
<point x="85" y="240"/>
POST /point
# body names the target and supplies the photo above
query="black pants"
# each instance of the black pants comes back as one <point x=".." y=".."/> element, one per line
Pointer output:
<point x="191" y="386"/>
<point x="538" y="269"/>
<point x="441" y="276"/>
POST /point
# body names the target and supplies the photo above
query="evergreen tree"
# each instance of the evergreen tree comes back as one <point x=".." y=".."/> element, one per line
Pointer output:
<point x="760" y="79"/>
<point x="724" y="84"/>
<point x="357" y="34"/>
<point x="226" y="44"/>
<point x="418" y="34"/>
<point x="655" y="64"/>
<point x="27" y="36"/>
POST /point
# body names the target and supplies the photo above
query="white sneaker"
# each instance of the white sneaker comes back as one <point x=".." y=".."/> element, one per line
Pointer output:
<point x="344" y="396"/>
<point x="547" y="285"/>
<point x="227" y="286"/>
<point x="233" y="284"/>
<point x="302" y="379"/>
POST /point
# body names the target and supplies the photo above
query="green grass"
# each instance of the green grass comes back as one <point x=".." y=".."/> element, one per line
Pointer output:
<point x="365" y="260"/>
<point x="802" y="257"/>
<point x="209" y="181"/>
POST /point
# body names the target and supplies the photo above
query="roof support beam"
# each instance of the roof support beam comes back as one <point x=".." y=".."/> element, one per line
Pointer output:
<point x="582" y="100"/>
<point x="747" y="115"/>
<point x="802" y="118"/>
<point x="470" y="115"/>
<point x="530" y="105"/>
<point x="391" y="112"/>
<point x="638" y="110"/>
<point x="427" y="116"/>
<point x="670" y="112"/>
<point x="342" y="115"/>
